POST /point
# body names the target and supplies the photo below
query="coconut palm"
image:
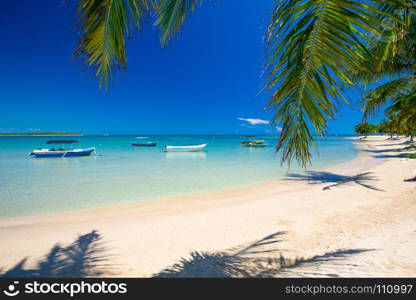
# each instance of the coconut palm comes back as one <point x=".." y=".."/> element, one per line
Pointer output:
<point x="403" y="110"/>
<point x="315" y="50"/>
<point x="105" y="24"/>
<point x="393" y="57"/>
<point x="386" y="126"/>
<point x="403" y="113"/>
<point x="365" y="128"/>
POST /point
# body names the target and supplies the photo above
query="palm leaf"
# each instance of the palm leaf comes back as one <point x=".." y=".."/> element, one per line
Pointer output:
<point x="379" y="96"/>
<point x="104" y="25"/>
<point x="314" y="49"/>
<point x="404" y="105"/>
<point x="171" y="16"/>
<point x="393" y="53"/>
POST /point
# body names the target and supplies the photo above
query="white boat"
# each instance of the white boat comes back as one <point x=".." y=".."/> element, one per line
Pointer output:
<point x="254" y="145"/>
<point x="194" y="148"/>
<point x="62" y="152"/>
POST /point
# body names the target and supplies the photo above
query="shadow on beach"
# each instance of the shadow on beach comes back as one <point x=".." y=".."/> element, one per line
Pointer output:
<point x="252" y="261"/>
<point x="386" y="150"/>
<point x="337" y="180"/>
<point x="238" y="262"/>
<point x="402" y="152"/>
<point x="85" y="257"/>
<point x="402" y="155"/>
<point x="398" y="144"/>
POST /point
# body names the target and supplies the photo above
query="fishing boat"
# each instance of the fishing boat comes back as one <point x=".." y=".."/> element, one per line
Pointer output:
<point x="194" y="148"/>
<point x="61" y="152"/>
<point x="252" y="142"/>
<point x="61" y="142"/>
<point x="147" y="144"/>
<point x="256" y="145"/>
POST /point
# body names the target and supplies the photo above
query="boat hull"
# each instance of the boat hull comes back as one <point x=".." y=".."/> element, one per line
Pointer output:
<point x="256" y="145"/>
<point x="195" y="148"/>
<point x="144" y="144"/>
<point x="62" y="153"/>
<point x="251" y="142"/>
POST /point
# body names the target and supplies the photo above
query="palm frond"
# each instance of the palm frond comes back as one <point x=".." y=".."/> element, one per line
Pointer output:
<point x="171" y="16"/>
<point x="392" y="54"/>
<point x="404" y="104"/>
<point x="314" y="49"/>
<point x="104" y="25"/>
<point x="379" y="96"/>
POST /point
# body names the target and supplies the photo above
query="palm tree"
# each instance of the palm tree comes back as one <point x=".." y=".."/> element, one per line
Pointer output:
<point x="403" y="110"/>
<point x="365" y="128"/>
<point x="393" y="57"/>
<point x="105" y="24"/>
<point x="315" y="50"/>
<point x="386" y="126"/>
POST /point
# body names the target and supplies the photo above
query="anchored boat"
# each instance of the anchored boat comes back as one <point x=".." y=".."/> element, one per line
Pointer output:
<point x="194" y="148"/>
<point x="61" y="152"/>
<point x="256" y="145"/>
<point x="250" y="139"/>
<point x="246" y="142"/>
<point x="147" y="144"/>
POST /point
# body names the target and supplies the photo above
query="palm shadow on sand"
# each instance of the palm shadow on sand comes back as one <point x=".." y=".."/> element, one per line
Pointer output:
<point x="411" y="179"/>
<point x="85" y="257"/>
<point x="387" y="150"/>
<point x="335" y="180"/>
<point x="255" y="260"/>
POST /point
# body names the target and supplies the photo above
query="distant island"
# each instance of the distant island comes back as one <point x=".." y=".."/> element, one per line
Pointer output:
<point x="49" y="133"/>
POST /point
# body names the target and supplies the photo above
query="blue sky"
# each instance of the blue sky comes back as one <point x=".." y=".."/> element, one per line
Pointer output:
<point x="202" y="83"/>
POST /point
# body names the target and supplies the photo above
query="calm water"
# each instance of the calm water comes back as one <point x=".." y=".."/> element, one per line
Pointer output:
<point x="125" y="174"/>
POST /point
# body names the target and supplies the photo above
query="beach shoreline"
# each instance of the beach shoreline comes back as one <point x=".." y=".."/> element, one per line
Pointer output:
<point x="324" y="213"/>
<point x="122" y="174"/>
<point x="103" y="207"/>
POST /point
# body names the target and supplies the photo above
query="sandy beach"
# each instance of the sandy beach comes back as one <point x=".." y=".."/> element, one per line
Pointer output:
<point x="357" y="219"/>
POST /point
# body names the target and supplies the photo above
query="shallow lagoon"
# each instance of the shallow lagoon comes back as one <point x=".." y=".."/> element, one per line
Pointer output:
<point x="121" y="173"/>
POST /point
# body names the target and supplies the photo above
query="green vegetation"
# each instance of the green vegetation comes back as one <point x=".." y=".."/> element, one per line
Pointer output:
<point x="316" y="50"/>
<point x="366" y="129"/>
<point x="395" y="126"/>
<point x="52" y="133"/>
<point x="395" y="59"/>
<point x="391" y="126"/>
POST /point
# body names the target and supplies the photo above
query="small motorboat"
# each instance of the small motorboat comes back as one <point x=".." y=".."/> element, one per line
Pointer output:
<point x="61" y="142"/>
<point x="194" y="148"/>
<point x="61" y="152"/>
<point x="256" y="144"/>
<point x="246" y="142"/>
<point x="147" y="144"/>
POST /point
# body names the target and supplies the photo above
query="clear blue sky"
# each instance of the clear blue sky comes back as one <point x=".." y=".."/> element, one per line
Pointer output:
<point x="209" y="76"/>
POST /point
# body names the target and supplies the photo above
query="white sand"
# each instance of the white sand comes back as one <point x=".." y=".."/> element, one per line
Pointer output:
<point x="358" y="226"/>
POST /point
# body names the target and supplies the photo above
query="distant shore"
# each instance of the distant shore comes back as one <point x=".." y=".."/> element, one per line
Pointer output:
<point x="42" y="134"/>
<point x="356" y="219"/>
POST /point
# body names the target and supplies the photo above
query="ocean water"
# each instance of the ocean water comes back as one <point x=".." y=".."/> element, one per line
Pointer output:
<point x="121" y="173"/>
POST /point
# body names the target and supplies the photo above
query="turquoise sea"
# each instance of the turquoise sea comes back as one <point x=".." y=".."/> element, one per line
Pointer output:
<point x="121" y="173"/>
